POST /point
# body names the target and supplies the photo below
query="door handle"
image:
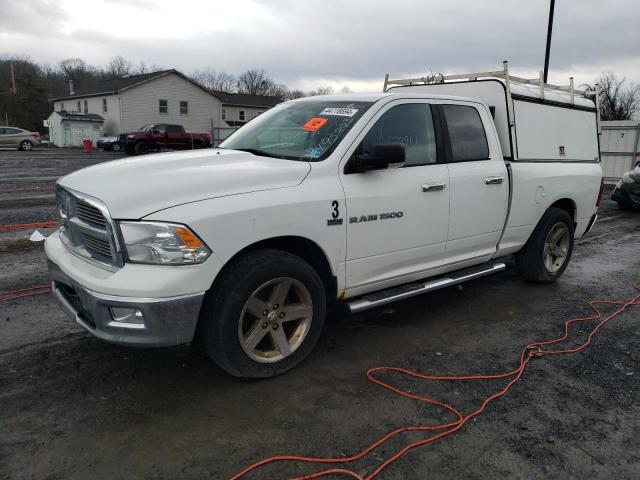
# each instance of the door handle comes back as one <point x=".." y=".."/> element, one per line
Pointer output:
<point x="493" y="180"/>
<point x="433" y="187"/>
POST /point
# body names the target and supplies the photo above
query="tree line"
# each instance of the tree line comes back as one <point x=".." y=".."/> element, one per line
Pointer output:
<point x="37" y="83"/>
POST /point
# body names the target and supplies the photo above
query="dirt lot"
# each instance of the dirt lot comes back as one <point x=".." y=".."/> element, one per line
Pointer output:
<point x="73" y="407"/>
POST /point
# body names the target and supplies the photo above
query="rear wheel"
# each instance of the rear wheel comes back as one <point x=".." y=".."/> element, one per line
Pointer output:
<point x="141" y="148"/>
<point x="26" y="145"/>
<point x="546" y="254"/>
<point x="115" y="147"/>
<point x="264" y="315"/>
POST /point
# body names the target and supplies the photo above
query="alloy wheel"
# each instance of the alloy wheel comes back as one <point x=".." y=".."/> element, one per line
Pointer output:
<point x="275" y="320"/>
<point x="556" y="247"/>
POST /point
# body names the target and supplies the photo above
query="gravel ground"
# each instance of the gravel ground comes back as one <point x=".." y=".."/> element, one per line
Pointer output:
<point x="72" y="407"/>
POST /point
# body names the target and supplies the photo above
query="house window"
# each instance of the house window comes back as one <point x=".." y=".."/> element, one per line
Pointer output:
<point x="163" y="106"/>
<point x="86" y="106"/>
<point x="104" y="105"/>
<point x="224" y="114"/>
<point x="79" y="106"/>
<point x="184" y="107"/>
<point x="241" y="113"/>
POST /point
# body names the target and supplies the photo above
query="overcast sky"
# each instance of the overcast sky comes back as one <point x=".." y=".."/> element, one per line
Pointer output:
<point x="306" y="44"/>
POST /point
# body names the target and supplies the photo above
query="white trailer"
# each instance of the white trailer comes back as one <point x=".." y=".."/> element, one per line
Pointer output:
<point x="620" y="148"/>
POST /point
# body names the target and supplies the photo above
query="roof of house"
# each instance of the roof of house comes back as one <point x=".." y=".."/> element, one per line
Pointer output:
<point x="247" y="100"/>
<point x="80" y="117"/>
<point x="115" y="85"/>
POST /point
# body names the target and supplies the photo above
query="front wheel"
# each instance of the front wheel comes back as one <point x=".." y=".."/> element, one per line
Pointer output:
<point x="264" y="314"/>
<point x="546" y="254"/>
<point x="115" y="147"/>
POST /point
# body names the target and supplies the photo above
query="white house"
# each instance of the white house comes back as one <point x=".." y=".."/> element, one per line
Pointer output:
<point x="239" y="108"/>
<point x="166" y="96"/>
<point x="68" y="129"/>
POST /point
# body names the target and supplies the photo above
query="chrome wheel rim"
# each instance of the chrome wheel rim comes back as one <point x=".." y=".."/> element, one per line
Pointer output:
<point x="26" y="146"/>
<point x="116" y="147"/>
<point x="275" y="320"/>
<point x="556" y="247"/>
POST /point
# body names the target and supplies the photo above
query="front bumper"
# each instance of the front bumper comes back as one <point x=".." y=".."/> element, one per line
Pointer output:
<point x="166" y="321"/>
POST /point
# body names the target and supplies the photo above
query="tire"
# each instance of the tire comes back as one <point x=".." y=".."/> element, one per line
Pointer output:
<point x="536" y="259"/>
<point x="26" y="145"/>
<point x="226" y="320"/>
<point x="141" y="148"/>
<point x="115" y="147"/>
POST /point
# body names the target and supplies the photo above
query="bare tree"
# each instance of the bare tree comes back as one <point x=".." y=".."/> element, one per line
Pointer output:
<point x="618" y="101"/>
<point x="141" y="68"/>
<point x="218" y="81"/>
<point x="293" y="94"/>
<point x="255" y="82"/>
<point x="118" y="67"/>
<point x="279" y="90"/>
<point x="345" y="89"/>
<point x="74" y="68"/>
<point x="328" y="90"/>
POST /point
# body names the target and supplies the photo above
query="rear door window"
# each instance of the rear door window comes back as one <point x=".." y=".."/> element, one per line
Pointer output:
<point x="466" y="133"/>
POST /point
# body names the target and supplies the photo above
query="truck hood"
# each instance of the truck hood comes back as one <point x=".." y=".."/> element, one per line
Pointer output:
<point x="135" y="187"/>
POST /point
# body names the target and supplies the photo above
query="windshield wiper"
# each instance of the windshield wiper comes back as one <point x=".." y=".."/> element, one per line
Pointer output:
<point x="263" y="153"/>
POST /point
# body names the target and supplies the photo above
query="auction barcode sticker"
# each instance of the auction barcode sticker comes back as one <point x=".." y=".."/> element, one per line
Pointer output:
<point x="340" y="112"/>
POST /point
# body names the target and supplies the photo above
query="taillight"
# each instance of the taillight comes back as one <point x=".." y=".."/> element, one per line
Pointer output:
<point x="36" y="134"/>
<point x="600" y="192"/>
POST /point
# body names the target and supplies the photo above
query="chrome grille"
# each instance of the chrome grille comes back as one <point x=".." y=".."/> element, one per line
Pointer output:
<point x="96" y="245"/>
<point x="90" y="214"/>
<point x="87" y="229"/>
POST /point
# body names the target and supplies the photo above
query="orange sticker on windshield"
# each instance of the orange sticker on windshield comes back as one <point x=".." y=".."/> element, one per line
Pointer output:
<point x="315" y="124"/>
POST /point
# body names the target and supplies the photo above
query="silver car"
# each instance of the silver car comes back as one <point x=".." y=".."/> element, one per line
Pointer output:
<point x="18" y="138"/>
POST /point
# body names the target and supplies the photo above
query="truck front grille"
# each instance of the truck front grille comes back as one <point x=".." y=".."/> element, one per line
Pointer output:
<point x="96" y="245"/>
<point x="87" y="229"/>
<point x="90" y="214"/>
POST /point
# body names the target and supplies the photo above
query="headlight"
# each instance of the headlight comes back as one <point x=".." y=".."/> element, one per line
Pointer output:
<point x="131" y="136"/>
<point x="63" y="204"/>
<point x="162" y="243"/>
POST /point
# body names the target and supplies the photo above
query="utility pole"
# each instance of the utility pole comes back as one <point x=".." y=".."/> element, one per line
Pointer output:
<point x="14" y="90"/>
<point x="549" y="30"/>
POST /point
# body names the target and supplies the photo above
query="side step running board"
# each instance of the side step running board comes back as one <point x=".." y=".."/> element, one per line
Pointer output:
<point x="418" y="288"/>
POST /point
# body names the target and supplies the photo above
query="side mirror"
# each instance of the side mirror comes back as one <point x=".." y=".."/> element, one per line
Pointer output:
<point x="382" y="154"/>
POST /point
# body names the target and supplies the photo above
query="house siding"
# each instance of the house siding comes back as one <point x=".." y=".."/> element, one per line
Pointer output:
<point x="139" y="105"/>
<point x="233" y="112"/>
<point x="111" y="118"/>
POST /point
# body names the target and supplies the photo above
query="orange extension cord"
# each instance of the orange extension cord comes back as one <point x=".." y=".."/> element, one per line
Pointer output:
<point x="25" y="226"/>
<point x="534" y="349"/>
<point x="10" y="295"/>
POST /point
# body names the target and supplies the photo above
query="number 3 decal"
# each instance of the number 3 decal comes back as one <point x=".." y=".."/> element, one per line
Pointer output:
<point x="336" y="212"/>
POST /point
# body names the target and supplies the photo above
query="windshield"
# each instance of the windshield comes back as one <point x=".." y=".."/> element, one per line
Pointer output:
<point x="302" y="130"/>
<point x="146" y="128"/>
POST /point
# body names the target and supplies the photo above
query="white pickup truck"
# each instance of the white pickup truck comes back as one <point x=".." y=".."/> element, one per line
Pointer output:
<point x="363" y="199"/>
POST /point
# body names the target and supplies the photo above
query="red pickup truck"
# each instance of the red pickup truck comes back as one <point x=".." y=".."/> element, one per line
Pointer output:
<point x="154" y="137"/>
